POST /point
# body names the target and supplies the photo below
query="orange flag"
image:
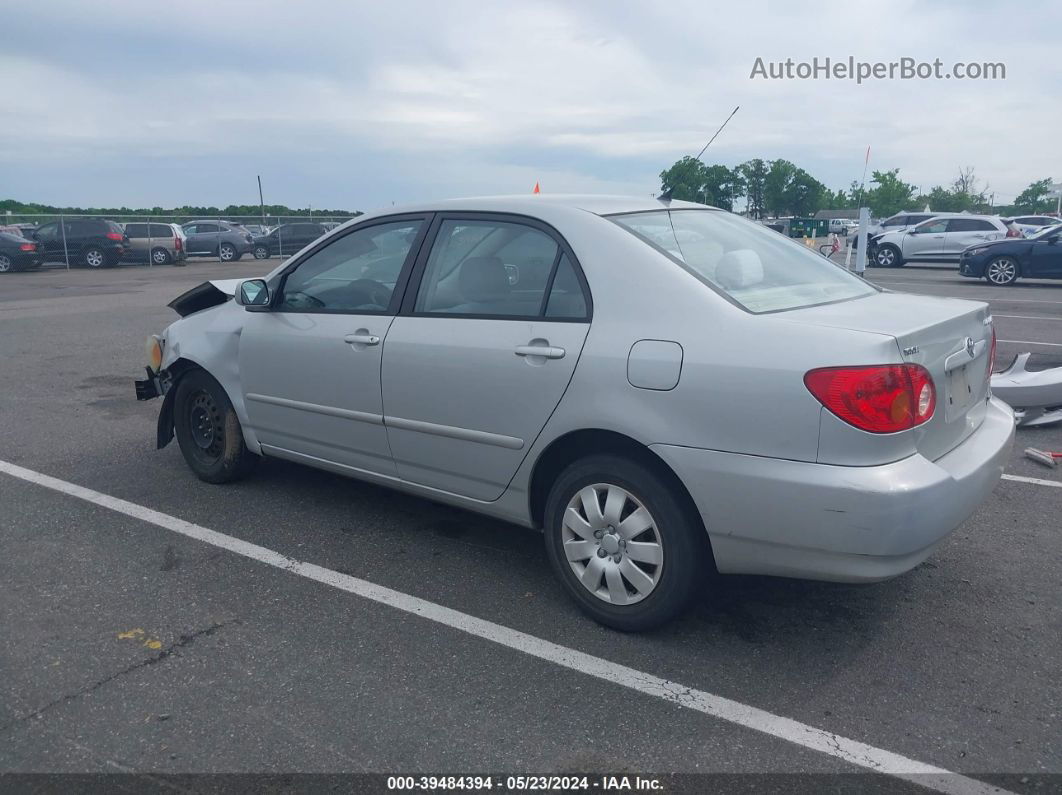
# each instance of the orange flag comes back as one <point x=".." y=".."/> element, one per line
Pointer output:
<point x="537" y="189"/>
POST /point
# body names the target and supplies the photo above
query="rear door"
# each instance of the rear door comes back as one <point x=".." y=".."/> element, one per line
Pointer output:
<point x="490" y="331"/>
<point x="310" y="366"/>
<point x="965" y="232"/>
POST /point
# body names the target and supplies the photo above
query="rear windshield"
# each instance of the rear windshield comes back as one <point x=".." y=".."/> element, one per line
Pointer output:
<point x="755" y="267"/>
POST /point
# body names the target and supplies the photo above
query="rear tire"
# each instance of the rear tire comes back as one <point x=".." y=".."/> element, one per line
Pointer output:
<point x="622" y="575"/>
<point x="208" y="430"/>
<point x="160" y="256"/>
<point x="6" y="264"/>
<point x="888" y="256"/>
<point x="227" y="252"/>
<point x="94" y="257"/>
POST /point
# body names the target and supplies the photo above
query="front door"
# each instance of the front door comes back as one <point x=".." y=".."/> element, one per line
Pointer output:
<point x="925" y="240"/>
<point x="482" y="352"/>
<point x="1045" y="256"/>
<point x="310" y="366"/>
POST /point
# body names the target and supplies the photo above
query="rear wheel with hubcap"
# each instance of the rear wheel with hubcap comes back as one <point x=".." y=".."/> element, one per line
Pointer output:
<point x="1002" y="271"/>
<point x="622" y="542"/>
<point x="94" y="257"/>
<point x="208" y="431"/>
<point x="6" y="265"/>
<point x="160" y="256"/>
<point x="227" y="252"/>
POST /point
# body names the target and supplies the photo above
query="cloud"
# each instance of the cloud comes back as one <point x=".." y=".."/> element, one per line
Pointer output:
<point x="342" y="104"/>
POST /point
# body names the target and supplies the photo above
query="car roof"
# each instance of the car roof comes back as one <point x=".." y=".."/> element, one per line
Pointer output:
<point x="526" y="204"/>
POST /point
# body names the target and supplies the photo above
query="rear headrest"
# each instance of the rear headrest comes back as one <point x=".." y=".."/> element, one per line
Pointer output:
<point x="739" y="268"/>
<point x="483" y="279"/>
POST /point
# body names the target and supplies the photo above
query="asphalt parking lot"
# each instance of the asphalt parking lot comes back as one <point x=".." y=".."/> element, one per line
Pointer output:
<point x="130" y="646"/>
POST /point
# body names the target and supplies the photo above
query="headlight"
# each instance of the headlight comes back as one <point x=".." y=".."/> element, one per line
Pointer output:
<point x="153" y="348"/>
<point x="976" y="252"/>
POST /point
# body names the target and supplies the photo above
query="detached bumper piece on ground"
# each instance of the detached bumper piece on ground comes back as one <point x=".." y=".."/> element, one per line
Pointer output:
<point x="1035" y="396"/>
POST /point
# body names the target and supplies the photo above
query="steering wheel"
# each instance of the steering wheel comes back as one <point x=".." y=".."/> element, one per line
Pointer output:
<point x="376" y="292"/>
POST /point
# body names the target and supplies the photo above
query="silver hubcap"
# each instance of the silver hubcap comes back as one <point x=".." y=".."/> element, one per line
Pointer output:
<point x="94" y="259"/>
<point x="1002" y="271"/>
<point x="261" y="253"/>
<point x="886" y="257"/>
<point x="5" y="263"/>
<point x="160" y="256"/>
<point x="227" y="252"/>
<point x="612" y="544"/>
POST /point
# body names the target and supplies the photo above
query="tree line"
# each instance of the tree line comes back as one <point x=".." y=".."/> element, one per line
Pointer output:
<point x="780" y="188"/>
<point x="31" y="208"/>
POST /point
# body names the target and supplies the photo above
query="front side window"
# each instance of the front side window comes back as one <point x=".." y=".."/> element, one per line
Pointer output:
<point x="354" y="273"/>
<point x="753" y="266"/>
<point x="136" y="231"/>
<point x="488" y="268"/>
<point x="931" y="227"/>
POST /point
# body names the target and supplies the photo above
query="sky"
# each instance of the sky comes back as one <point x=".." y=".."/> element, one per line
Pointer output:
<point x="357" y="105"/>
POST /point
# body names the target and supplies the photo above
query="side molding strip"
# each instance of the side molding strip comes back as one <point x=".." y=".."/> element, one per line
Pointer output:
<point x="330" y="411"/>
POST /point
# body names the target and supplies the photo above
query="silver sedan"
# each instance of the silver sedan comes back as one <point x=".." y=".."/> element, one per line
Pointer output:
<point x="665" y="389"/>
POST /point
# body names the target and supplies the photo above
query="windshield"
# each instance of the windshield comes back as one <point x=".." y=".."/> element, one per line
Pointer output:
<point x="755" y="267"/>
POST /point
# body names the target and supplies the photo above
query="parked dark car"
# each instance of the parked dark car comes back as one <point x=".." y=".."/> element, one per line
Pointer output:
<point x="212" y="238"/>
<point x="1003" y="262"/>
<point x="92" y="242"/>
<point x="17" y="253"/>
<point x="286" y="239"/>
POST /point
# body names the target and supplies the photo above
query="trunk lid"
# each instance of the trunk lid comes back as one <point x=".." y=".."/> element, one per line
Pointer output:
<point x="950" y="337"/>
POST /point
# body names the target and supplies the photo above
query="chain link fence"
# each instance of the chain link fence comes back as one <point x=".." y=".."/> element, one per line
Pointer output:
<point x="97" y="241"/>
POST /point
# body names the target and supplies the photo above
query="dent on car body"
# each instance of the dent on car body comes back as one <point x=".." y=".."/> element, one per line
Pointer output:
<point x="1035" y="396"/>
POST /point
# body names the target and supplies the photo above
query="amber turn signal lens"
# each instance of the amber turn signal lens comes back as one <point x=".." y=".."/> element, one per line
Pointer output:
<point x="153" y="347"/>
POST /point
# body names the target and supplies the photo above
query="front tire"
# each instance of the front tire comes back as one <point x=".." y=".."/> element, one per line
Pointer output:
<point x="888" y="256"/>
<point x="6" y="264"/>
<point x="622" y="543"/>
<point x="208" y="431"/>
<point x="1002" y="271"/>
<point x="261" y="252"/>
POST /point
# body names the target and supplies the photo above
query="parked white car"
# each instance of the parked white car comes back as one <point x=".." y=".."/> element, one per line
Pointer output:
<point x="940" y="239"/>
<point x="1031" y="224"/>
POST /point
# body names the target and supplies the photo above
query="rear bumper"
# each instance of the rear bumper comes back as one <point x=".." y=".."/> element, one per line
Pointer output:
<point x="847" y="524"/>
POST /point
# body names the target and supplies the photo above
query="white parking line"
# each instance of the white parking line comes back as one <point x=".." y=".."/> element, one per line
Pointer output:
<point x="851" y="751"/>
<point x="1037" y="481"/>
<point x="1027" y="317"/>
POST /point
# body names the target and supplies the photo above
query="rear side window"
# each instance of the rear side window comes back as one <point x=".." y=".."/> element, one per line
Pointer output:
<point x="207" y="229"/>
<point x="566" y="298"/>
<point x="970" y="225"/>
<point x="161" y="230"/>
<point x="492" y="269"/>
<point x="753" y="266"/>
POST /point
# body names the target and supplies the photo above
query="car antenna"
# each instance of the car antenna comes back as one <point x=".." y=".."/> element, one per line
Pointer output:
<point x="666" y="195"/>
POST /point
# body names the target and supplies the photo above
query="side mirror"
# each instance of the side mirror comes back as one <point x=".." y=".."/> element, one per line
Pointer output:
<point x="253" y="294"/>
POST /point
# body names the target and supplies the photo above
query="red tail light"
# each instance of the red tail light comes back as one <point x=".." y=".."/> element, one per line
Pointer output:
<point x="177" y="244"/>
<point x="114" y="235"/>
<point x="876" y="398"/>
<point x="27" y="247"/>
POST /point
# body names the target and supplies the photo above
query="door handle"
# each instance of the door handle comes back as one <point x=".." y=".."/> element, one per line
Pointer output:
<point x="362" y="339"/>
<point x="540" y="350"/>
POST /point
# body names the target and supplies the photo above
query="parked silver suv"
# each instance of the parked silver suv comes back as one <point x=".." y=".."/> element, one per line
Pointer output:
<point x="940" y="239"/>
<point x="222" y="239"/>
